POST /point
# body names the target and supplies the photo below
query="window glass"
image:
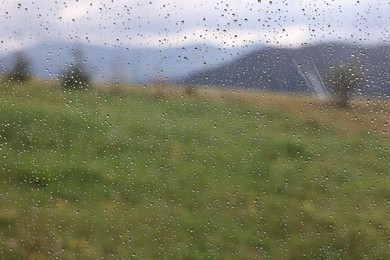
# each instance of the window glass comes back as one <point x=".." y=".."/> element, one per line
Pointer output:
<point x="189" y="130"/>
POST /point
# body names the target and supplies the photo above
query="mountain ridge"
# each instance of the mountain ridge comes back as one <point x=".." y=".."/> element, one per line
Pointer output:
<point x="289" y="70"/>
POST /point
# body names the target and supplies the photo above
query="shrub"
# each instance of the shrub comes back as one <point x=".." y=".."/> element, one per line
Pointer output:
<point x="76" y="77"/>
<point x="20" y="72"/>
<point x="190" y="91"/>
<point x="343" y="80"/>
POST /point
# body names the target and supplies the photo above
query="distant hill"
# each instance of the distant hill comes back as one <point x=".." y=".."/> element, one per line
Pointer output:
<point x="136" y="64"/>
<point x="299" y="70"/>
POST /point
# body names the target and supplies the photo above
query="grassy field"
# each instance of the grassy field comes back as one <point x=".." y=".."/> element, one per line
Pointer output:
<point x="154" y="173"/>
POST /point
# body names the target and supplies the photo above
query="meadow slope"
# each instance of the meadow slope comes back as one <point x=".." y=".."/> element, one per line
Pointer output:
<point x="224" y="174"/>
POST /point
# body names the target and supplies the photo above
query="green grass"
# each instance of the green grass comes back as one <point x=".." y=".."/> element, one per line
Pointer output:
<point x="95" y="174"/>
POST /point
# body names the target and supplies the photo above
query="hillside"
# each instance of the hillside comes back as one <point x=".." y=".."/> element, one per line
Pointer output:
<point x="222" y="174"/>
<point x="282" y="69"/>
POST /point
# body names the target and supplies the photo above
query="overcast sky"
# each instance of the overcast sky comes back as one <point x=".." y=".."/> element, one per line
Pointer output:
<point x="227" y="23"/>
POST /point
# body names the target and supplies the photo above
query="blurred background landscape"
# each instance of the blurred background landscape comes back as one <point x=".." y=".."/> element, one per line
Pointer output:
<point x="223" y="130"/>
<point x="259" y="67"/>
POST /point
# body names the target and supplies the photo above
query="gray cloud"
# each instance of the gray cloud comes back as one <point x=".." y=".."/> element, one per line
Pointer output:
<point x="165" y="23"/>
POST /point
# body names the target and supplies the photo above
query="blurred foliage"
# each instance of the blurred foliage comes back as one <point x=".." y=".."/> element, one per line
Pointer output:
<point x="343" y="80"/>
<point x="76" y="76"/>
<point x="190" y="91"/>
<point x="20" y="71"/>
<point x="117" y="175"/>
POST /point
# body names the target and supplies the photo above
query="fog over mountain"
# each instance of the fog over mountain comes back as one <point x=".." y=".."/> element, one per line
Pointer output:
<point x="141" y="65"/>
<point x="300" y="70"/>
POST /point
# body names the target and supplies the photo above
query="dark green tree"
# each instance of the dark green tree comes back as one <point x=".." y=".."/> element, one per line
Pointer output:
<point x="75" y="76"/>
<point x="20" y="71"/>
<point x="343" y="80"/>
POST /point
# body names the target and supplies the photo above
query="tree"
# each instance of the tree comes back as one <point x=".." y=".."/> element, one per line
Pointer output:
<point x="75" y="77"/>
<point x="20" y="71"/>
<point x="343" y="80"/>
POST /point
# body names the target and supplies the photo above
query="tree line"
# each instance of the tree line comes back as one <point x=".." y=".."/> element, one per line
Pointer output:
<point x="74" y="77"/>
<point x="342" y="79"/>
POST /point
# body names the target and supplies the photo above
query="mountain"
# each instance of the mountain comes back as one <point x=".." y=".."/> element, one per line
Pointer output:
<point x="300" y="70"/>
<point x="278" y="69"/>
<point x="49" y="59"/>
